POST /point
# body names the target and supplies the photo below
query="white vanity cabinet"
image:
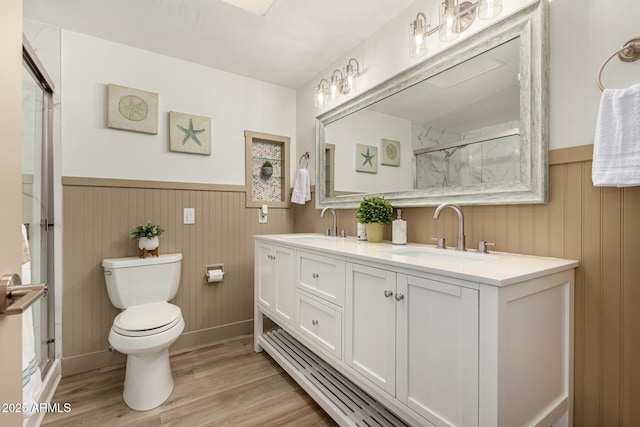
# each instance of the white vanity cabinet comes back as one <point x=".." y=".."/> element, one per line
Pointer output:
<point x="438" y="338"/>
<point x="275" y="279"/>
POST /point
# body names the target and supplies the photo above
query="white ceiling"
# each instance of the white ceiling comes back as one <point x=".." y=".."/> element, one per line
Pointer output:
<point x="295" y="41"/>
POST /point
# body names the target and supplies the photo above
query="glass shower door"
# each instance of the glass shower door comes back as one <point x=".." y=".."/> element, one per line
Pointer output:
<point x="37" y="205"/>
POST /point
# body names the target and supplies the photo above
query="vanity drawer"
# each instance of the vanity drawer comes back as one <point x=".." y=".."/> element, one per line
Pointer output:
<point x="321" y="276"/>
<point x="319" y="322"/>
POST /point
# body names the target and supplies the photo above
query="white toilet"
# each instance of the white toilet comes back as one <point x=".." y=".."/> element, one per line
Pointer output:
<point x="147" y="326"/>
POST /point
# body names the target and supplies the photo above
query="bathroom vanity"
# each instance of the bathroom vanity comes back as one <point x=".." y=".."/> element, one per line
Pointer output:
<point x="439" y="337"/>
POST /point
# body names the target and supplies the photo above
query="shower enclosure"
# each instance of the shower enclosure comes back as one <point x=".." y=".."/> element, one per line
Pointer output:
<point x="37" y="196"/>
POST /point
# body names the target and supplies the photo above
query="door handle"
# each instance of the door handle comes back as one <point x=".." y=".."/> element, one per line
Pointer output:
<point x="16" y="297"/>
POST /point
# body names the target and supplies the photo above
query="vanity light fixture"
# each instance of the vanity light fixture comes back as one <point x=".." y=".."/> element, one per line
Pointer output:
<point x="455" y="18"/>
<point x="339" y="83"/>
<point x="418" y="31"/>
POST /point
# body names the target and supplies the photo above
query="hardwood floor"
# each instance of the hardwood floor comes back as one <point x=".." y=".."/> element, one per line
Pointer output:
<point x="225" y="384"/>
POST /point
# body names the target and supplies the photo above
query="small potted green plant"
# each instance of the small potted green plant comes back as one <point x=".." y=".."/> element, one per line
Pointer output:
<point x="267" y="169"/>
<point x="374" y="212"/>
<point x="147" y="235"/>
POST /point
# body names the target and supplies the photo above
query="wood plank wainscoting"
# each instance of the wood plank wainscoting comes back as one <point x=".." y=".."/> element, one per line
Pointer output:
<point x="97" y="217"/>
<point x="600" y="227"/>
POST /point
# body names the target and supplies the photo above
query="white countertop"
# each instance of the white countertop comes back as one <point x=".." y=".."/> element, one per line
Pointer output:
<point x="495" y="268"/>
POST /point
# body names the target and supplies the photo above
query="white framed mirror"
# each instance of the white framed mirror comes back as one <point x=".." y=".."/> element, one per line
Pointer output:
<point x="468" y="125"/>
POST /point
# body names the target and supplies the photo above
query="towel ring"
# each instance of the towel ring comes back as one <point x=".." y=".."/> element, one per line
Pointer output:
<point x="628" y="52"/>
<point x="305" y="157"/>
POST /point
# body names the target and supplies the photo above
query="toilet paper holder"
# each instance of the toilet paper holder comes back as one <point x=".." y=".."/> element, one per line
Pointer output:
<point x="212" y="267"/>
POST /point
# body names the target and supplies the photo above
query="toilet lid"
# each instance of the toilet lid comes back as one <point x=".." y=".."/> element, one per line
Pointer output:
<point x="147" y="319"/>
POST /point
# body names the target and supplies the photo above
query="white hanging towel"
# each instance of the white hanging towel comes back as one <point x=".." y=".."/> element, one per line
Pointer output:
<point x="616" y="148"/>
<point x="302" y="187"/>
<point x="31" y="377"/>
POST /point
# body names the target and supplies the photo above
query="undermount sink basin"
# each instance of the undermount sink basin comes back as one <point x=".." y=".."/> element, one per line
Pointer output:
<point x="443" y="255"/>
<point x="306" y="237"/>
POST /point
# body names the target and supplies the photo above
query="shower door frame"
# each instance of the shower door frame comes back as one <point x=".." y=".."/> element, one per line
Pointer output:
<point x="31" y="61"/>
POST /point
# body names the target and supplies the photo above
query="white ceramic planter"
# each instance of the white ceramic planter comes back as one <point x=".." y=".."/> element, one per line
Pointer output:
<point x="148" y="243"/>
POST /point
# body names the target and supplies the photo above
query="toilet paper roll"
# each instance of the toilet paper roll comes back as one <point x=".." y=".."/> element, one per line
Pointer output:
<point x="215" y="275"/>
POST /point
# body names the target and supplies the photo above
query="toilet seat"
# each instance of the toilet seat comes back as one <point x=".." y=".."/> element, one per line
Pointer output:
<point x="147" y="319"/>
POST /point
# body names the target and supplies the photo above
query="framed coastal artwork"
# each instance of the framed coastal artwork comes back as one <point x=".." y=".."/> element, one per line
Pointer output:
<point x="132" y="109"/>
<point x="189" y="133"/>
<point x="366" y="158"/>
<point x="389" y="152"/>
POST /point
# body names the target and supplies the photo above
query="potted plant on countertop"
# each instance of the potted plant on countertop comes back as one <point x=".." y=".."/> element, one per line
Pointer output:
<point x="267" y="169"/>
<point x="147" y="235"/>
<point x="374" y="212"/>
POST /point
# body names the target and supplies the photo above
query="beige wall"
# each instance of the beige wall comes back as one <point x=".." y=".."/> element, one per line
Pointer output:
<point x="597" y="226"/>
<point x="98" y="215"/>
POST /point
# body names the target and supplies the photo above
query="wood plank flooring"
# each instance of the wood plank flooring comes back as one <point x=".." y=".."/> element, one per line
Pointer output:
<point x="226" y="384"/>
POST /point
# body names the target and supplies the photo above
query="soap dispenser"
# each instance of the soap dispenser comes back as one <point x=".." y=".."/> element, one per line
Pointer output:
<point x="399" y="230"/>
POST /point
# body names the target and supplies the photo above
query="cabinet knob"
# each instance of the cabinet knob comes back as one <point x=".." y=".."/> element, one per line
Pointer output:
<point x="314" y="322"/>
<point x="399" y="297"/>
<point x="388" y="293"/>
<point x="315" y="275"/>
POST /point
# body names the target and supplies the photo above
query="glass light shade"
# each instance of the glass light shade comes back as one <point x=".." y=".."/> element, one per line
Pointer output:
<point x="321" y="96"/>
<point x="448" y="21"/>
<point x="335" y="86"/>
<point x="351" y="76"/>
<point x="487" y="9"/>
<point x="418" y="39"/>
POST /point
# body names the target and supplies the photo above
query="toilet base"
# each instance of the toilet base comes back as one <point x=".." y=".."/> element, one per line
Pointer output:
<point x="148" y="382"/>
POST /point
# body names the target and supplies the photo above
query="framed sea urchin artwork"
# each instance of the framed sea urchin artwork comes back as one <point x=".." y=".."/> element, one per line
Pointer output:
<point x="366" y="158"/>
<point x="189" y="133"/>
<point x="389" y="152"/>
<point x="132" y="109"/>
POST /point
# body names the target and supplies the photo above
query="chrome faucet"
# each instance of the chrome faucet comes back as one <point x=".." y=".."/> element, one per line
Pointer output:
<point x="436" y="215"/>
<point x="335" y="222"/>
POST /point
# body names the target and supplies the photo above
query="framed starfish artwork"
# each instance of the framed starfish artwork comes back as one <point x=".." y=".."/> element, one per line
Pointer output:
<point x="132" y="109"/>
<point x="366" y="158"/>
<point x="189" y="133"/>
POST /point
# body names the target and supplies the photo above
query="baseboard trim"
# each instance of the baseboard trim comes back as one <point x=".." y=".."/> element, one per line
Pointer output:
<point x="188" y="341"/>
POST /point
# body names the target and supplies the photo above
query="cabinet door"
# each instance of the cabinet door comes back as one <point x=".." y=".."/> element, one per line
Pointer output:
<point x="264" y="274"/>
<point x="370" y="322"/>
<point x="284" y="282"/>
<point x="438" y="350"/>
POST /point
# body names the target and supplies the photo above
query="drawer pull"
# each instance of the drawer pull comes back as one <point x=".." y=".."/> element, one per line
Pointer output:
<point x="399" y="297"/>
<point x="314" y="322"/>
<point x="388" y="293"/>
<point x="315" y="275"/>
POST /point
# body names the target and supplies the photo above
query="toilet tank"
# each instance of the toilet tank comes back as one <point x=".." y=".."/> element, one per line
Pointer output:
<point x="133" y="280"/>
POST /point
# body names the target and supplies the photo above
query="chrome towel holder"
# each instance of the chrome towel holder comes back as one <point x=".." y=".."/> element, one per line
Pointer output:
<point x="305" y="158"/>
<point x="628" y="52"/>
